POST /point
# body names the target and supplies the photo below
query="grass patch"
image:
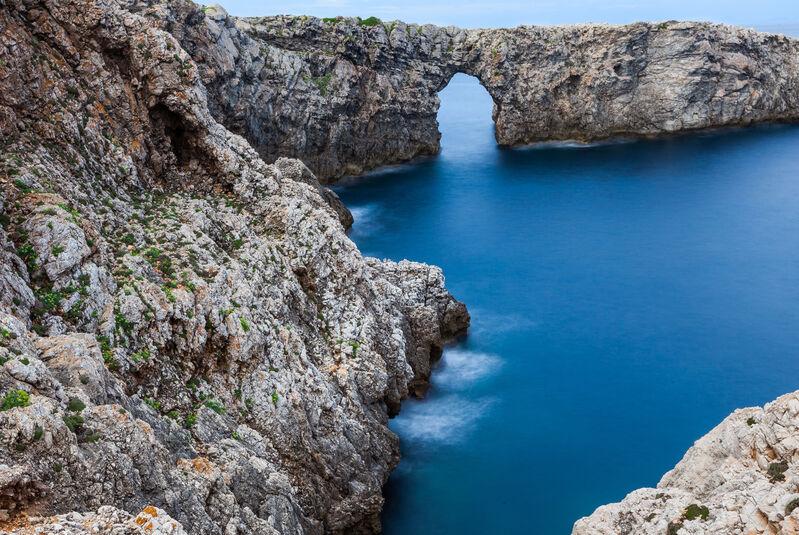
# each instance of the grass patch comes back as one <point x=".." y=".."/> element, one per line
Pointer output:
<point x="369" y="22"/>
<point x="15" y="398"/>
<point x="694" y="511"/>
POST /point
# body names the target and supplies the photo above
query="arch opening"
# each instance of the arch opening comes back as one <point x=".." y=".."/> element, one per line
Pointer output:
<point x="465" y="116"/>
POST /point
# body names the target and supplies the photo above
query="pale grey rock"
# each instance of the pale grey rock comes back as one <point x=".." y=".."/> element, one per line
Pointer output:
<point x="251" y="356"/>
<point x="194" y="328"/>
<point x="743" y="472"/>
<point x="106" y="521"/>
<point x="345" y="97"/>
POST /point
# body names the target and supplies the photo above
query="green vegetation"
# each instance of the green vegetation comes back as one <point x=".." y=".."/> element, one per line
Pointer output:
<point x="73" y="421"/>
<point x="750" y="421"/>
<point x="169" y="295"/>
<point x="791" y="505"/>
<point x="91" y="438"/>
<point x="38" y="432"/>
<point x="694" y="511"/>
<point x="140" y="355"/>
<point x="368" y="22"/>
<point x="74" y="214"/>
<point x="57" y="250"/>
<point x="776" y="471"/>
<point x="154" y="404"/>
<point x="22" y="186"/>
<point x="191" y="420"/>
<point x="215" y="406"/>
<point x="275" y="397"/>
<point x="122" y="322"/>
<point x="75" y="405"/>
<point x="28" y="255"/>
<point x="108" y="353"/>
<point x="49" y="298"/>
<point x="323" y="82"/>
<point x="245" y="325"/>
<point x="15" y="398"/>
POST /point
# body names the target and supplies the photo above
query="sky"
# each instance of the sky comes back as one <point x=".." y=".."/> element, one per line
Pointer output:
<point x="770" y="15"/>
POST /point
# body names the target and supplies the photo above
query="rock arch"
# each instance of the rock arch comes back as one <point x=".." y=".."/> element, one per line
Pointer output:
<point x="346" y="97"/>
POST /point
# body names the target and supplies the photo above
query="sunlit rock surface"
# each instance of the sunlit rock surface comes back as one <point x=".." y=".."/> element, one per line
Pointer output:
<point x="739" y="478"/>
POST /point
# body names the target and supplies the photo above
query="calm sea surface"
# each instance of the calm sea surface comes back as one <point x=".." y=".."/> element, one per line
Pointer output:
<point x="625" y="298"/>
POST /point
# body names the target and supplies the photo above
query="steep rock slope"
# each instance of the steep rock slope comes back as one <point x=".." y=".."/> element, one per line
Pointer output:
<point x="181" y="324"/>
<point x="742" y="477"/>
<point x="346" y="96"/>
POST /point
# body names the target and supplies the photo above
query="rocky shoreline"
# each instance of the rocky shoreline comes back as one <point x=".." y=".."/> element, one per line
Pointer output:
<point x="347" y="96"/>
<point x="189" y="342"/>
<point x="183" y="325"/>
<point x="739" y="478"/>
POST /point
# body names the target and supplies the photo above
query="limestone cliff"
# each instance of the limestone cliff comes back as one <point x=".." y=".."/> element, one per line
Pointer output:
<point x="189" y="342"/>
<point x="741" y="477"/>
<point x="182" y="325"/>
<point x="346" y="96"/>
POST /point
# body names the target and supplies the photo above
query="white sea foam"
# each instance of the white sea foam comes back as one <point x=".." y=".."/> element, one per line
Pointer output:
<point x="447" y="419"/>
<point x="460" y="367"/>
<point x="365" y="220"/>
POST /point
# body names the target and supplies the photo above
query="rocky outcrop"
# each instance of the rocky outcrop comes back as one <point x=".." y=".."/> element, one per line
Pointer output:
<point x="150" y="521"/>
<point x="185" y="330"/>
<point x="346" y="95"/>
<point x="741" y="477"/>
<point x="189" y="342"/>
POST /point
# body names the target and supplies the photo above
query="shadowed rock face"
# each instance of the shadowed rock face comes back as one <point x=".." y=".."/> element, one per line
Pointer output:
<point x="345" y="98"/>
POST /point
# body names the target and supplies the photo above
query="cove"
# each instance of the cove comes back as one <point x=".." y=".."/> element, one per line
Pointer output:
<point x="625" y="298"/>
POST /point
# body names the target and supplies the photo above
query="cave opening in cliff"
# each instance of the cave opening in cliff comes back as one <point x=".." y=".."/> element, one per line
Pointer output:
<point x="464" y="117"/>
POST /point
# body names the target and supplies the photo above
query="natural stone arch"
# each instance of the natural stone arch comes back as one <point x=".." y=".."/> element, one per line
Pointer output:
<point x="345" y="97"/>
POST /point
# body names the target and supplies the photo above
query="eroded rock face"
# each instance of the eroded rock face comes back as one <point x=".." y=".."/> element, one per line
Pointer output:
<point x="150" y="521"/>
<point x="186" y="331"/>
<point x="345" y="97"/>
<point x="741" y="477"/>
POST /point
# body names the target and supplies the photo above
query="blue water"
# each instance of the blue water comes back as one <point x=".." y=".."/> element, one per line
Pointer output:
<point x="625" y="298"/>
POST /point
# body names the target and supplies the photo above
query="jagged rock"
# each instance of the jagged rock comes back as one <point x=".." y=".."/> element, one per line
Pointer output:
<point x="739" y="478"/>
<point x="106" y="521"/>
<point x="346" y="97"/>
<point x="190" y="327"/>
<point x="251" y="356"/>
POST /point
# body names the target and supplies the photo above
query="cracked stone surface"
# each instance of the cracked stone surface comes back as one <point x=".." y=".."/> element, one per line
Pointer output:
<point x="189" y="341"/>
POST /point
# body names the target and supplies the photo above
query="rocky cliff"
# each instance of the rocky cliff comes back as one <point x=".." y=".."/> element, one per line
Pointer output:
<point x="189" y="342"/>
<point x="346" y="95"/>
<point x="741" y="477"/>
<point x="182" y="325"/>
